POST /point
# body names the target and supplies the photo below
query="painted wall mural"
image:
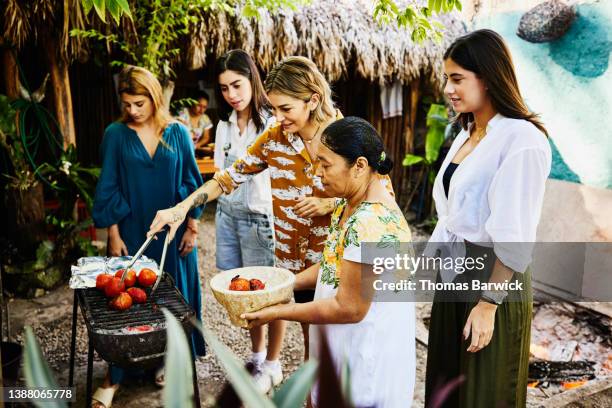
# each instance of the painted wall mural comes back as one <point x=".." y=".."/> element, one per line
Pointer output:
<point x="569" y="82"/>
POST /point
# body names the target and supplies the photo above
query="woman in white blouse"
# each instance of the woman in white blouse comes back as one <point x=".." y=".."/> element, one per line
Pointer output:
<point x="244" y="224"/>
<point x="488" y="197"/>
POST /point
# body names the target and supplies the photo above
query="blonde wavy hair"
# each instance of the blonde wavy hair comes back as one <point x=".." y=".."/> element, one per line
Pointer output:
<point x="299" y="78"/>
<point x="140" y="81"/>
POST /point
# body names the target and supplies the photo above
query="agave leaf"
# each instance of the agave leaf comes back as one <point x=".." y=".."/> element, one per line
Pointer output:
<point x="178" y="392"/>
<point x="294" y="391"/>
<point x="241" y="380"/>
<point x="36" y="371"/>
<point x="345" y="380"/>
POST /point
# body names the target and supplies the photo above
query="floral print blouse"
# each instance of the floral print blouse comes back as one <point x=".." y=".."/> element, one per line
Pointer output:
<point x="372" y="222"/>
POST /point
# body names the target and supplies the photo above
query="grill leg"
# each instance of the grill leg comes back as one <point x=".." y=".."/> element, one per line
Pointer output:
<point x="196" y="387"/>
<point x="75" y="306"/>
<point x="90" y="353"/>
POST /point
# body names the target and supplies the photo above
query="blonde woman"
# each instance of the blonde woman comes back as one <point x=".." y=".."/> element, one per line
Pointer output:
<point x="147" y="164"/>
<point x="302" y="104"/>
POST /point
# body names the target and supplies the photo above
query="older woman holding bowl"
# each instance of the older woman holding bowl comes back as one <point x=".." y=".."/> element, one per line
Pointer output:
<point x="376" y="339"/>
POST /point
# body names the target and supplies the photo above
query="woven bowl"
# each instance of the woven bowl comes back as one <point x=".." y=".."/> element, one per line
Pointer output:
<point x="279" y="289"/>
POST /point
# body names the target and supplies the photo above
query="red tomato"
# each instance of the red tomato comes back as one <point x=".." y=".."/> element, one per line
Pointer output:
<point x="130" y="279"/>
<point x="147" y="277"/>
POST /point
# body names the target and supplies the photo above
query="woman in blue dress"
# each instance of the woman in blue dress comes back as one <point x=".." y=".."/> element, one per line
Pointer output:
<point x="148" y="164"/>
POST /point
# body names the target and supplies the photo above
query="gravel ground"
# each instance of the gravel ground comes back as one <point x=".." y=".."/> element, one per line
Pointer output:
<point x="50" y="317"/>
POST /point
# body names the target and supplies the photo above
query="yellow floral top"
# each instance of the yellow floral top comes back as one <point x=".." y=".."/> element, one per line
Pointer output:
<point x="372" y="222"/>
<point x="379" y="349"/>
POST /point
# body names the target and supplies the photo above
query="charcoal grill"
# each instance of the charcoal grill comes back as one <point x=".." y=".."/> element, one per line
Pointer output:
<point x="134" y="338"/>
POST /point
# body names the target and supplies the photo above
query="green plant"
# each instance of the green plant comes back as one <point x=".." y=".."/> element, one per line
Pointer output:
<point x="419" y="19"/>
<point x="178" y="392"/>
<point x="179" y="104"/>
<point x="437" y="120"/>
<point x="36" y="370"/>
<point x="156" y="26"/>
<point x="27" y="135"/>
<point x="35" y="273"/>
<point x="70" y="180"/>
<point x="292" y="393"/>
<point x="52" y="259"/>
<point x="116" y="8"/>
<point x="69" y="244"/>
<point x="66" y="178"/>
<point x="22" y="177"/>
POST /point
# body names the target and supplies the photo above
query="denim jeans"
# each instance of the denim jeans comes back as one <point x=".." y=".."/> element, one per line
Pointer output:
<point x="243" y="239"/>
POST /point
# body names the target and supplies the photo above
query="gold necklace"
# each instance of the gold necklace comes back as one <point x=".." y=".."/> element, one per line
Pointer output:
<point x="478" y="134"/>
<point x="312" y="138"/>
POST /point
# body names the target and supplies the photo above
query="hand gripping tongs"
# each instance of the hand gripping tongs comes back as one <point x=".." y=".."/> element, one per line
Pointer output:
<point x="139" y="254"/>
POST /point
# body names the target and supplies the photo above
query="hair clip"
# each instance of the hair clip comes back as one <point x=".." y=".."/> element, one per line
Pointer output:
<point x="382" y="157"/>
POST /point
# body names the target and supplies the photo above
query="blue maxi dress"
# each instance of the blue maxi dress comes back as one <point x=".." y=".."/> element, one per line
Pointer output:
<point x="133" y="187"/>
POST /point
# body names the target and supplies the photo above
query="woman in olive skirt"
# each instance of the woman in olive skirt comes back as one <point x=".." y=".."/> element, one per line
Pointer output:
<point x="488" y="197"/>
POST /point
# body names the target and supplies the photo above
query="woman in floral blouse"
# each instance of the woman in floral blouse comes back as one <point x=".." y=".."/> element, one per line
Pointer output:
<point x="376" y="339"/>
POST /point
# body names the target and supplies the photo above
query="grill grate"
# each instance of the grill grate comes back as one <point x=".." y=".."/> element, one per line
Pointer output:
<point x="101" y="317"/>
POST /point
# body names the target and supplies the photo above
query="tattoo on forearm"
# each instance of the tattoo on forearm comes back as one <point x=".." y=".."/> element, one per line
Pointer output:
<point x="200" y="199"/>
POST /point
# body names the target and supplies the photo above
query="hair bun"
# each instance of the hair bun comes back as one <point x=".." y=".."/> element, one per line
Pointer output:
<point x="385" y="166"/>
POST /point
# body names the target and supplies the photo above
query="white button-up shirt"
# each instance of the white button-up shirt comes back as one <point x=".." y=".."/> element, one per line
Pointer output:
<point x="260" y="193"/>
<point x="495" y="195"/>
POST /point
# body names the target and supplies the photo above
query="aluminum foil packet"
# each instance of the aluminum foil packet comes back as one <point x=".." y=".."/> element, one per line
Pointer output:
<point x="86" y="270"/>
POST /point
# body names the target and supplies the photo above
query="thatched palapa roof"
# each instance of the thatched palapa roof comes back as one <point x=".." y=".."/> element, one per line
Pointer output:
<point x="330" y="32"/>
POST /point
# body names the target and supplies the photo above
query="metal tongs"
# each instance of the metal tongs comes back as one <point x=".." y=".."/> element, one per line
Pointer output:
<point x="137" y="256"/>
<point x="161" y="264"/>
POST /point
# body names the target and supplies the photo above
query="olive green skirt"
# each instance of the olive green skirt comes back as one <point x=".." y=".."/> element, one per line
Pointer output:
<point x="495" y="376"/>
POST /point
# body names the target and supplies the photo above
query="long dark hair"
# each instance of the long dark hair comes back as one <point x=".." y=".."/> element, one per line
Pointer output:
<point x="485" y="53"/>
<point x="242" y="63"/>
<point x="352" y="138"/>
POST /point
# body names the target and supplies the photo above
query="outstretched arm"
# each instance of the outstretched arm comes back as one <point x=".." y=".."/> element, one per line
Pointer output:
<point x="174" y="217"/>
<point x="223" y="182"/>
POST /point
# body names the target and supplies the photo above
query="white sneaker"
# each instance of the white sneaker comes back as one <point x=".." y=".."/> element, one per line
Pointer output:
<point x="268" y="378"/>
<point x="257" y="366"/>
